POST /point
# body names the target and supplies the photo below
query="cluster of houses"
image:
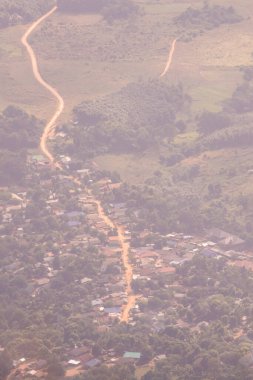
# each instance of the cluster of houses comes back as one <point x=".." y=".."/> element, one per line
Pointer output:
<point x="78" y="360"/>
<point x="88" y="228"/>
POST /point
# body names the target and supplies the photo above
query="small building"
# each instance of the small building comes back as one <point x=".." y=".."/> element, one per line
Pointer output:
<point x="92" y="363"/>
<point x="132" y="355"/>
<point x="74" y="362"/>
<point x="209" y="253"/>
<point x="232" y="242"/>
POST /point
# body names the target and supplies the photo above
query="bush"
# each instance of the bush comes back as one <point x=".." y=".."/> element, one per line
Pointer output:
<point x="209" y="122"/>
<point x="111" y="10"/>
<point x="22" y="11"/>
<point x="208" y="17"/>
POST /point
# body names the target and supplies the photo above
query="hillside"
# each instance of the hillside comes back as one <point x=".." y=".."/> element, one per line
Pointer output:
<point x="126" y="230"/>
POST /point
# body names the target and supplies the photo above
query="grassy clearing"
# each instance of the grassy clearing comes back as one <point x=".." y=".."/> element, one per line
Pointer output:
<point x="133" y="169"/>
<point x="18" y="86"/>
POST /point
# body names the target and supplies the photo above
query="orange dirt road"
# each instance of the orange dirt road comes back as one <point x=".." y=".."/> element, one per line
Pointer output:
<point x="131" y="298"/>
<point x="169" y="62"/>
<point x="49" y="131"/>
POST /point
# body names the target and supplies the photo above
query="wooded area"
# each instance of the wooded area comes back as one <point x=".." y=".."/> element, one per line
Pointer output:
<point x="111" y="10"/>
<point x="14" y="12"/>
<point x="18" y="133"/>
<point x="139" y="116"/>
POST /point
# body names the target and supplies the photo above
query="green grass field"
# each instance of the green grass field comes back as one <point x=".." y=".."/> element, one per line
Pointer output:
<point x="18" y="86"/>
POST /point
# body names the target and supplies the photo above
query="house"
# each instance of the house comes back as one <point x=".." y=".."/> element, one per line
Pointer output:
<point x="85" y="358"/>
<point x="97" y="303"/>
<point x="110" y="252"/>
<point x="167" y="270"/>
<point x="85" y="280"/>
<point x="74" y="362"/>
<point x="32" y="372"/>
<point x="114" y="241"/>
<point x="225" y="239"/>
<point x="40" y="364"/>
<point x="208" y="244"/>
<point x="160" y="357"/>
<point x="83" y="172"/>
<point x="113" y="310"/>
<point x="132" y="355"/>
<point x="74" y="214"/>
<point x="209" y="253"/>
<point x="42" y="281"/>
<point x="92" y="363"/>
<point x="73" y="223"/>
<point x="216" y="234"/>
<point x="232" y="242"/>
<point x="148" y="254"/>
<point x="78" y="351"/>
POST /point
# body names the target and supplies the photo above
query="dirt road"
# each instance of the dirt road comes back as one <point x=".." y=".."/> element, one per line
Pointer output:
<point x="169" y="62"/>
<point x="60" y="102"/>
<point x="131" y="298"/>
<point x="49" y="131"/>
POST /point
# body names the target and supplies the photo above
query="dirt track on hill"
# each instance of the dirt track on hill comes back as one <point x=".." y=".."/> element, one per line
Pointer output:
<point x="48" y="132"/>
<point x="170" y="58"/>
<point x="49" y="128"/>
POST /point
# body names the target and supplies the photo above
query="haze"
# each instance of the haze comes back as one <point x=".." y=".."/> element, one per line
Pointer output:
<point x="126" y="246"/>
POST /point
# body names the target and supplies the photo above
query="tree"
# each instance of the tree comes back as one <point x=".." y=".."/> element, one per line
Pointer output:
<point x="55" y="368"/>
<point x="5" y="365"/>
<point x="208" y="122"/>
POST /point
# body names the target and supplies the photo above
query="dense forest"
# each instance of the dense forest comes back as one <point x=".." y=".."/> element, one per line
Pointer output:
<point x="208" y="17"/>
<point x="194" y="21"/>
<point x="18" y="133"/>
<point x="14" y="12"/>
<point x="113" y="125"/>
<point x="232" y="127"/>
<point x="111" y="10"/>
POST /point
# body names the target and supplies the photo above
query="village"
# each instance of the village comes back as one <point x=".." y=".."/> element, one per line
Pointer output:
<point x="70" y="205"/>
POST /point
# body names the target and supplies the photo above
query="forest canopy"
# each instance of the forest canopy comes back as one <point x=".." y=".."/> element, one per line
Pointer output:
<point x="110" y="9"/>
<point x="208" y="17"/>
<point x="18" y="132"/>
<point x="14" y="12"/>
<point x="113" y="124"/>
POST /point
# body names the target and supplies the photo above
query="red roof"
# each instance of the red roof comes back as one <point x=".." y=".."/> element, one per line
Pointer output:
<point x="144" y="254"/>
<point x="85" y="358"/>
<point x="167" y="270"/>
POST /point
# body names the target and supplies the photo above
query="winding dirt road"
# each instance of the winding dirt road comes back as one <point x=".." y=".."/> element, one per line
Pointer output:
<point x="49" y="131"/>
<point x="169" y="61"/>
<point x="131" y="298"/>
